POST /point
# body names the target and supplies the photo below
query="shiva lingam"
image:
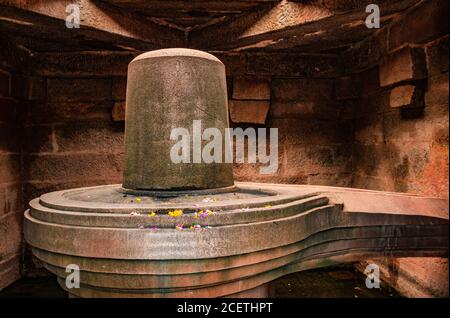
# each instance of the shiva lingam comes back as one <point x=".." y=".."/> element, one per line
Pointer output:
<point x="188" y="230"/>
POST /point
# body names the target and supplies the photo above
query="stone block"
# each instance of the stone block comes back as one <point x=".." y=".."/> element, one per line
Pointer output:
<point x="367" y="53"/>
<point x="118" y="111"/>
<point x="119" y="87"/>
<point x="373" y="103"/>
<point x="11" y="228"/>
<point x="437" y="93"/>
<point x="9" y="167"/>
<point x="248" y="88"/>
<point x="19" y="86"/>
<point x="313" y="159"/>
<point x="8" y="109"/>
<point x="303" y="98"/>
<point x="312" y="131"/>
<point x="36" y="139"/>
<point x="370" y="81"/>
<point x="3" y="200"/>
<point x="291" y="64"/>
<point x="90" y="137"/>
<point x="437" y="56"/>
<point x="82" y="63"/>
<point x="423" y="23"/>
<point x="5" y="84"/>
<point x="78" y="89"/>
<point x="58" y="112"/>
<point x="348" y="87"/>
<point x="36" y="88"/>
<point x="13" y="198"/>
<point x="431" y="126"/>
<point x="9" y="272"/>
<point x="369" y="129"/>
<point x="414" y="277"/>
<point x="64" y="168"/>
<point x="235" y="63"/>
<point x="9" y="138"/>
<point x="405" y="64"/>
<point x="286" y="90"/>
<point x="249" y="111"/>
<point x="406" y="96"/>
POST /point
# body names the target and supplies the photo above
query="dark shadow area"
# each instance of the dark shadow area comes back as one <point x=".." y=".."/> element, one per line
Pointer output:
<point x="339" y="282"/>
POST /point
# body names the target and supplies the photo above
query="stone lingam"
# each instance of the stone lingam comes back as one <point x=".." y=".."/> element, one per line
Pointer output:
<point x="188" y="230"/>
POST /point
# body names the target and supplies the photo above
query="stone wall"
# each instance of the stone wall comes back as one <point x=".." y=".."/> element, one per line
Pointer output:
<point x="70" y="139"/>
<point x="399" y="80"/>
<point x="13" y="94"/>
<point x="294" y="93"/>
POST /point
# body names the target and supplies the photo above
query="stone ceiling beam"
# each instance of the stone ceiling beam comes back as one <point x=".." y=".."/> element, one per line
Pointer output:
<point x="292" y="24"/>
<point x="99" y="22"/>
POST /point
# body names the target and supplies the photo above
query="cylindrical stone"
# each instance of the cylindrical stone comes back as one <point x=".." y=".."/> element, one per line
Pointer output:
<point x="169" y="89"/>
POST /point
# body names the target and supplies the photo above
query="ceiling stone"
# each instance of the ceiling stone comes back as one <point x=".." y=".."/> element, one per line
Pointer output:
<point x="315" y="26"/>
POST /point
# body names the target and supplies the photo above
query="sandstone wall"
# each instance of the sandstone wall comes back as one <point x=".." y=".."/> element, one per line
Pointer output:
<point x="399" y="78"/>
<point x="13" y="94"/>
<point x="296" y="94"/>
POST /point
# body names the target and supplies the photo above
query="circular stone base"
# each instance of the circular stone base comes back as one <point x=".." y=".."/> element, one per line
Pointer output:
<point x="202" y="244"/>
<point x="152" y="244"/>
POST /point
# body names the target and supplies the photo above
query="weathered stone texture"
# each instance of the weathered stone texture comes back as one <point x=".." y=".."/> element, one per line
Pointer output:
<point x="167" y="89"/>
<point x="348" y="87"/>
<point x="437" y="56"/>
<point x="406" y="96"/>
<point x="302" y="65"/>
<point x="118" y="111"/>
<point x="396" y="147"/>
<point x="248" y="111"/>
<point x="406" y="64"/>
<point x="414" y="277"/>
<point x="251" y="88"/>
<point x="11" y="202"/>
<point x="80" y="89"/>
<point x="423" y="23"/>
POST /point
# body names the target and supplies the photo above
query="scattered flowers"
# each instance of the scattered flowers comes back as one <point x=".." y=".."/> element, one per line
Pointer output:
<point x="203" y="213"/>
<point x="268" y="206"/>
<point x="195" y="227"/>
<point x="175" y="213"/>
<point x="138" y="200"/>
<point x="151" y="213"/>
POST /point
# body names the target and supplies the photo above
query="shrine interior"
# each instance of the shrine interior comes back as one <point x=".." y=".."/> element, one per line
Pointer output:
<point x="355" y="106"/>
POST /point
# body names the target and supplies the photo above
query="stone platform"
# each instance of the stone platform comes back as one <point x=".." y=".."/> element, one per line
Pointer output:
<point x="223" y="243"/>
